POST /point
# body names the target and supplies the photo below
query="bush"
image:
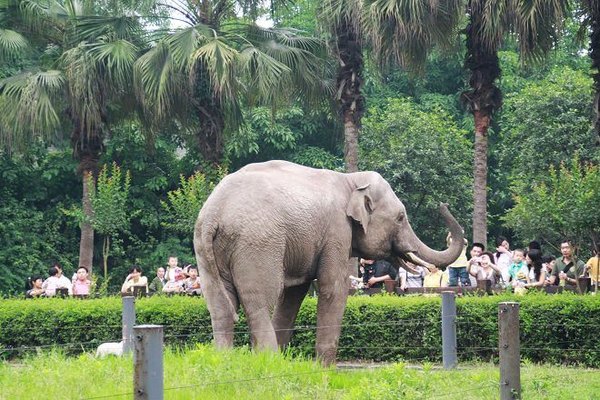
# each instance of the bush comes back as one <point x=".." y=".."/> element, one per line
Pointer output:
<point x="554" y="329"/>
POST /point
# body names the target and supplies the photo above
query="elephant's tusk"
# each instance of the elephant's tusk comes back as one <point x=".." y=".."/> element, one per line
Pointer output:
<point x="416" y="260"/>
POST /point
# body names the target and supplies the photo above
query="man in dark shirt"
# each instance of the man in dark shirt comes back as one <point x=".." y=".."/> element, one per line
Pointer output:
<point x="376" y="272"/>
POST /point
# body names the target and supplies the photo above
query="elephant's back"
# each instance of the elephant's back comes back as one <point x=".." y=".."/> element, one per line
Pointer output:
<point x="274" y="197"/>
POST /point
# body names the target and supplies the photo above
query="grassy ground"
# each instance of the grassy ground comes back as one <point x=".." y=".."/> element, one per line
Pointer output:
<point x="204" y="373"/>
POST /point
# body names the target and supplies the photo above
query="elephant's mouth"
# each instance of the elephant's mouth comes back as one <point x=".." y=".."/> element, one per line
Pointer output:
<point x="413" y="258"/>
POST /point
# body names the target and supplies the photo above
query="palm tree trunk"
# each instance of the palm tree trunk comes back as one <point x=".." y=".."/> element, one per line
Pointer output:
<point x="86" y="243"/>
<point x="349" y="93"/>
<point x="210" y="135"/>
<point x="480" y="168"/>
<point x="482" y="101"/>
<point x="350" y="143"/>
<point x="595" y="56"/>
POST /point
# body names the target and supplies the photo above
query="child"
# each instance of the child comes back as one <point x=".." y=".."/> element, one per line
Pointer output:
<point x="518" y="270"/>
<point x="175" y="286"/>
<point x="192" y="283"/>
<point x="172" y="267"/>
<point x="81" y="285"/>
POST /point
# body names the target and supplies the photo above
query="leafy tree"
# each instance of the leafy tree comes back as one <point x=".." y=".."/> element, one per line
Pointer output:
<point x="536" y="25"/>
<point x="111" y="216"/>
<point x="184" y="204"/>
<point x="201" y="75"/>
<point x="425" y="158"/>
<point x="562" y="206"/>
<point x="545" y="123"/>
<point x="398" y="33"/>
<point x="91" y="70"/>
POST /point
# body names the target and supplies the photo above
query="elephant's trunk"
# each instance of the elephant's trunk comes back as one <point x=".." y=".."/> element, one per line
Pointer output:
<point x="448" y="256"/>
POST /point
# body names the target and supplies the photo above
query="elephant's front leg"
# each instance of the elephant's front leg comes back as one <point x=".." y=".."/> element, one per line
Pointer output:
<point x="333" y="292"/>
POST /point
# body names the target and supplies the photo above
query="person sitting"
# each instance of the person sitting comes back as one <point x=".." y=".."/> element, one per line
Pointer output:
<point x="409" y="279"/>
<point x="36" y="287"/>
<point x="159" y="281"/>
<point x="192" y="282"/>
<point x="81" y="285"/>
<point x="134" y="279"/>
<point x="537" y="271"/>
<point x="548" y="265"/>
<point x="376" y="272"/>
<point x="484" y="269"/>
<point x="56" y="280"/>
<point x="175" y="286"/>
<point x="567" y="269"/>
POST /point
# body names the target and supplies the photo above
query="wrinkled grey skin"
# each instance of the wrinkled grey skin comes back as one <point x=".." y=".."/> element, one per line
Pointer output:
<point x="269" y="229"/>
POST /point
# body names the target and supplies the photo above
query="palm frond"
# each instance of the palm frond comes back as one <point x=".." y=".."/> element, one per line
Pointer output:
<point x="185" y="42"/>
<point x="160" y="83"/>
<point x="89" y="28"/>
<point x="29" y="106"/>
<point x="12" y="44"/>
<point x="87" y="88"/>
<point x="218" y="58"/>
<point x="404" y="31"/>
<point x="117" y="57"/>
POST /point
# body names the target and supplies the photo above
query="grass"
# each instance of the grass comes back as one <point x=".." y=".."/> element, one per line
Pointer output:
<point x="242" y="374"/>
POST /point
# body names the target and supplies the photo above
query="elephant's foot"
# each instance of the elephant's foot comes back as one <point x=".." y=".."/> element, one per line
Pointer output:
<point x="327" y="355"/>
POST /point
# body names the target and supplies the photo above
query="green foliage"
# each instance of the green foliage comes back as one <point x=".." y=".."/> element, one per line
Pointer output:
<point x="426" y="159"/>
<point x="560" y="206"/>
<point x="547" y="122"/>
<point x="289" y="133"/>
<point x="109" y="201"/>
<point x="554" y="328"/>
<point x="184" y="203"/>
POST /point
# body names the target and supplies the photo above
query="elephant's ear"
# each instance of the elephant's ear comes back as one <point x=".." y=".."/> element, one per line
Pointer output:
<point x="360" y="206"/>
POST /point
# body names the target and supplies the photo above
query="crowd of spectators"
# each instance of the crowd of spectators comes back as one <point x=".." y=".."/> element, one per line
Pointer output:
<point x="172" y="280"/>
<point x="517" y="270"/>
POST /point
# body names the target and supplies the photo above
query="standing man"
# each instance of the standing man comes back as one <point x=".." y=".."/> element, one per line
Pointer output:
<point x="567" y="268"/>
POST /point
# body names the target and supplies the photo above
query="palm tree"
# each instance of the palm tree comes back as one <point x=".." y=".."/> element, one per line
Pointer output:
<point x="591" y="10"/>
<point x="396" y="32"/>
<point x="201" y="75"/>
<point x="536" y="25"/>
<point x="93" y="68"/>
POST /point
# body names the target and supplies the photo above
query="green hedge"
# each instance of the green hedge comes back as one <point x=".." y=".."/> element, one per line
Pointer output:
<point x="554" y="328"/>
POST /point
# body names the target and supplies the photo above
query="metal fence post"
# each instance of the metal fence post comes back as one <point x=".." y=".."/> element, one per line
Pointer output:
<point x="509" y="349"/>
<point x="148" y="374"/>
<point x="449" y="330"/>
<point x="128" y="321"/>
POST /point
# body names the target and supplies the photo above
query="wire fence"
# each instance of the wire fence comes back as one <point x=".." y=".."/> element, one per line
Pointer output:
<point x="414" y="352"/>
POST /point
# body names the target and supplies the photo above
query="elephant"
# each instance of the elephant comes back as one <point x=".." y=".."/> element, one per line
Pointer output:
<point x="269" y="229"/>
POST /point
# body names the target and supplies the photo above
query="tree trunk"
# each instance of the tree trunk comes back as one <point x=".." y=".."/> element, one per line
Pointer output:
<point x="210" y="135"/>
<point x="480" y="167"/>
<point x="86" y="243"/>
<point x="349" y="86"/>
<point x="595" y="56"/>
<point x="482" y="101"/>
<point x="105" y="248"/>
<point x="350" y="143"/>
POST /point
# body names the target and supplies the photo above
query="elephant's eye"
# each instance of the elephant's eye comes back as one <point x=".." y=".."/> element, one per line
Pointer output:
<point x="400" y="217"/>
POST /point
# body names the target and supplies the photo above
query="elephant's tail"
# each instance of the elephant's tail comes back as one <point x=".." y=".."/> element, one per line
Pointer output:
<point x="204" y="235"/>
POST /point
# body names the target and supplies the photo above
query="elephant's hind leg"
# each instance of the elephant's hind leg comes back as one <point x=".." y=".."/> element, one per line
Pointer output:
<point x="286" y="312"/>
